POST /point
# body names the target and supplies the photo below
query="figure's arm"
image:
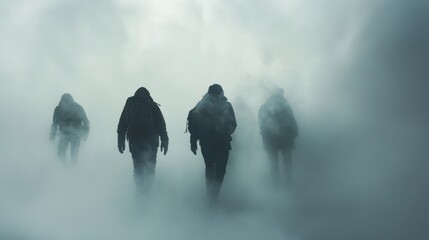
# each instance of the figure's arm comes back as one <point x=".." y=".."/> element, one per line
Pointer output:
<point x="294" y="125"/>
<point x="193" y="131"/>
<point x="261" y="118"/>
<point x="160" y="124"/>
<point x="54" y="126"/>
<point x="86" y="124"/>
<point x="122" y="129"/>
<point x="232" y="123"/>
<point x="161" y="127"/>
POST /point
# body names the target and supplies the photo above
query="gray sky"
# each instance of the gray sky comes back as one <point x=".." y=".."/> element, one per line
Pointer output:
<point x="355" y="73"/>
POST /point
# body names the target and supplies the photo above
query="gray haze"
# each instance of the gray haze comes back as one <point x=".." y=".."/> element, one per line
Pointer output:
<point x="354" y="72"/>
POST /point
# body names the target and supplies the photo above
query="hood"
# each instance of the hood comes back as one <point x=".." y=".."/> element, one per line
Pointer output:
<point x="277" y="94"/>
<point x="215" y="89"/>
<point x="66" y="99"/>
<point x="142" y="92"/>
<point x="211" y="102"/>
<point x="276" y="98"/>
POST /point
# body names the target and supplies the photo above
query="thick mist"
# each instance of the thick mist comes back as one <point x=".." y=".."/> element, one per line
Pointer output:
<point x="354" y="72"/>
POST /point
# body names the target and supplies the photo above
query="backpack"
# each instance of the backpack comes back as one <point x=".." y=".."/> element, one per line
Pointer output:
<point x="140" y="118"/>
<point x="192" y="123"/>
<point x="204" y="123"/>
<point x="278" y="120"/>
<point x="70" y="119"/>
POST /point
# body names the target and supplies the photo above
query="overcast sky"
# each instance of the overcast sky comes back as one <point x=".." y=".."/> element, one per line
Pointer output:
<point x="355" y="73"/>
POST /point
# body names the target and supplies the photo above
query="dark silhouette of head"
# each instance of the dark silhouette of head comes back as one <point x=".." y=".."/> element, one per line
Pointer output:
<point x="215" y="89"/>
<point x="142" y="92"/>
<point x="66" y="99"/>
<point x="279" y="92"/>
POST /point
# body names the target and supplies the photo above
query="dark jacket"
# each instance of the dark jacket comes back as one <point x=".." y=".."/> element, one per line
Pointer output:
<point x="142" y="120"/>
<point x="276" y="119"/>
<point x="69" y="118"/>
<point x="213" y="120"/>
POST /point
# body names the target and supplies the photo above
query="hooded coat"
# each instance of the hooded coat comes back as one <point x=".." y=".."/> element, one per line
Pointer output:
<point x="142" y="120"/>
<point x="212" y="120"/>
<point x="69" y="118"/>
<point x="277" y="122"/>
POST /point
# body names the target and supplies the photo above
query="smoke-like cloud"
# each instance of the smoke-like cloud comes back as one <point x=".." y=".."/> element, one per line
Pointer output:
<point x="354" y="73"/>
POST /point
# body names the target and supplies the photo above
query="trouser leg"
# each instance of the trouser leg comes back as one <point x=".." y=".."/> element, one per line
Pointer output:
<point x="144" y="161"/>
<point x="215" y="159"/>
<point x="287" y="165"/>
<point x="220" y="166"/>
<point x="62" y="148"/>
<point x="138" y="168"/>
<point x="149" y="156"/>
<point x="210" y="168"/>
<point x="270" y="145"/>
<point x="209" y="173"/>
<point x="274" y="164"/>
<point x="74" y="148"/>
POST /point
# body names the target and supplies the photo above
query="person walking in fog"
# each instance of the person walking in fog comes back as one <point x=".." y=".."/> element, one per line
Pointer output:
<point x="211" y="122"/>
<point x="279" y="130"/>
<point x="142" y="124"/>
<point x="72" y="126"/>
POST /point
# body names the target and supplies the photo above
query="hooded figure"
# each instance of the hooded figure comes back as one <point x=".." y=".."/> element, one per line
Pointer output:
<point x="279" y="130"/>
<point x="72" y="126"/>
<point x="211" y="122"/>
<point x="142" y="124"/>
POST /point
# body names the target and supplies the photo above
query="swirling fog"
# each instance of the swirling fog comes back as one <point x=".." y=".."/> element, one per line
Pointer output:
<point x="354" y="72"/>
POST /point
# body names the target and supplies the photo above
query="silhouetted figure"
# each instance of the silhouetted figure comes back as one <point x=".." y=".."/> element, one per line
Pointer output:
<point x="72" y="126"/>
<point x="279" y="130"/>
<point x="143" y="124"/>
<point x="212" y="121"/>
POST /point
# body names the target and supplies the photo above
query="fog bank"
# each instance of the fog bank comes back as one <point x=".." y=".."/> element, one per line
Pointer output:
<point x="354" y="73"/>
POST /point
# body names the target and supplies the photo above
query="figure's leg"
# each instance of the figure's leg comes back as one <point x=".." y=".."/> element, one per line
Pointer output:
<point x="149" y="164"/>
<point x="208" y="155"/>
<point x="221" y="161"/>
<point x="273" y="156"/>
<point x="287" y="165"/>
<point x="74" y="148"/>
<point x="138" y="163"/>
<point x="62" y="148"/>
